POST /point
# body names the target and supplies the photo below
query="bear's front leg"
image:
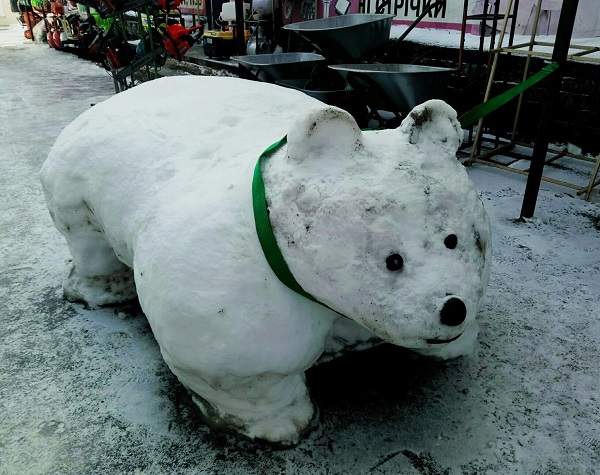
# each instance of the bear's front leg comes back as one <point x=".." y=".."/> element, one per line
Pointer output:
<point x="272" y="407"/>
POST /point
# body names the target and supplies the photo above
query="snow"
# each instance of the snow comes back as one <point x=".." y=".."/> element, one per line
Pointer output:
<point x="88" y="392"/>
<point x="181" y="217"/>
<point x="451" y="39"/>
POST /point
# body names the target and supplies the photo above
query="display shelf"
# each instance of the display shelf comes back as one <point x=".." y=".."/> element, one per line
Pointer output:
<point x="131" y="5"/>
<point x="153" y="53"/>
<point x="528" y="49"/>
<point x="120" y="76"/>
<point x="583" y="50"/>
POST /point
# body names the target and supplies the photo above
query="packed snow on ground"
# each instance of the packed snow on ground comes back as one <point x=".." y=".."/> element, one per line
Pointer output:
<point x="87" y="391"/>
<point x="452" y="38"/>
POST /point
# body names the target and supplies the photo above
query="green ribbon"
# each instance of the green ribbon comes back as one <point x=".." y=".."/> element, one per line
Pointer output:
<point x="491" y="105"/>
<point x="265" y="231"/>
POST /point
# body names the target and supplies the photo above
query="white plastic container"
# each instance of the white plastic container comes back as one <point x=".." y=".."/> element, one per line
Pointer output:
<point x="228" y="11"/>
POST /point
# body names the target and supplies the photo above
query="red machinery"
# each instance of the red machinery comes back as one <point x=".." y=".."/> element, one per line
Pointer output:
<point x="54" y="28"/>
<point x="178" y="40"/>
<point x="30" y="16"/>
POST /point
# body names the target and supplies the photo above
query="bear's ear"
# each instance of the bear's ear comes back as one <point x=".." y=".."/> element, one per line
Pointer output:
<point x="433" y="123"/>
<point x="323" y="132"/>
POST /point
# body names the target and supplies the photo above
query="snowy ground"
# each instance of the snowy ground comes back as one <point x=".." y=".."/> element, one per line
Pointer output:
<point x="87" y="391"/>
<point x="451" y="39"/>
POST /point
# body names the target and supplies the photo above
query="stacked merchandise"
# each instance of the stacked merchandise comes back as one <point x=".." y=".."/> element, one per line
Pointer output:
<point x="117" y="34"/>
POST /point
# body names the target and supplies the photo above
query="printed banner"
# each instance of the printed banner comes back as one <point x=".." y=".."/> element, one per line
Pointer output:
<point x="193" y="7"/>
<point x="446" y="14"/>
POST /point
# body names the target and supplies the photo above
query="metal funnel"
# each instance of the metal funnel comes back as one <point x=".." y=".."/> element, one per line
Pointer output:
<point x="396" y="87"/>
<point x="275" y="67"/>
<point x="346" y="37"/>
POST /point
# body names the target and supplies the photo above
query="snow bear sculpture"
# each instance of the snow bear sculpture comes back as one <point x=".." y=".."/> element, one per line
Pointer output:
<point x="382" y="227"/>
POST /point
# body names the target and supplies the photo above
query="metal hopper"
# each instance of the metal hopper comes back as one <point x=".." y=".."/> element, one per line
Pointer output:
<point x="347" y="37"/>
<point x="396" y="87"/>
<point x="347" y="99"/>
<point x="276" y="67"/>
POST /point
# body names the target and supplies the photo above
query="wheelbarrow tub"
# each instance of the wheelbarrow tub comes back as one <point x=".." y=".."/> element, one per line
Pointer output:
<point x="279" y="66"/>
<point x="347" y="37"/>
<point x="396" y="87"/>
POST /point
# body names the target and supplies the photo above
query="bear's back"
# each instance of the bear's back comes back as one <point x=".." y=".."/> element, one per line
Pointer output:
<point x="168" y="144"/>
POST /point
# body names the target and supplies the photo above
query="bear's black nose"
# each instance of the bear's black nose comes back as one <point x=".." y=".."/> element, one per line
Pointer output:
<point x="453" y="312"/>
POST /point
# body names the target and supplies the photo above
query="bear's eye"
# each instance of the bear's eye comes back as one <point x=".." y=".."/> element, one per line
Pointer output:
<point x="451" y="241"/>
<point x="394" y="262"/>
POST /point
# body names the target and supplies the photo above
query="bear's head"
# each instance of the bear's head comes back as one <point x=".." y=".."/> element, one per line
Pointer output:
<point x="385" y="227"/>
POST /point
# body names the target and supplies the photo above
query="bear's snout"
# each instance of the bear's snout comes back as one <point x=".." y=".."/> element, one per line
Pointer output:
<point x="453" y="312"/>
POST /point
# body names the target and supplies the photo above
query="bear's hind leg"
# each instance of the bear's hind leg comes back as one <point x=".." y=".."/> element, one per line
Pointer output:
<point x="100" y="290"/>
<point x="97" y="276"/>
